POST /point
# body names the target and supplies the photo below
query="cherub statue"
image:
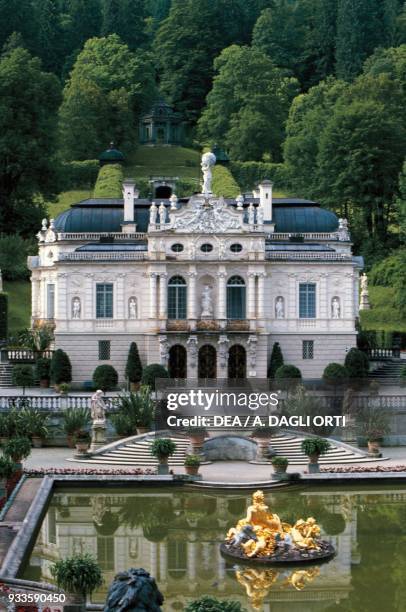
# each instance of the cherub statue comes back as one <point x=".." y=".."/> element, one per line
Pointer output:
<point x="304" y="533"/>
<point x="98" y="408"/>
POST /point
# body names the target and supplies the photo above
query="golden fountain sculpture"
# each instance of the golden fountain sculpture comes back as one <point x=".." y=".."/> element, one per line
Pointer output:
<point x="262" y="537"/>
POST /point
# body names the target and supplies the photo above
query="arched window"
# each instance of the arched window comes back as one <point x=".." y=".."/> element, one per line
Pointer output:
<point x="236" y="298"/>
<point x="177" y="298"/>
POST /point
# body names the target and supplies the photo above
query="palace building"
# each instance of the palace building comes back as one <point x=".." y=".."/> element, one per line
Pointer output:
<point x="204" y="285"/>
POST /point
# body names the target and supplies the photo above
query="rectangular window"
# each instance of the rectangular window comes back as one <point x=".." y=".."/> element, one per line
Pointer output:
<point x="105" y="553"/>
<point x="307" y="301"/>
<point x="308" y="349"/>
<point x="50" y="301"/>
<point x="104" y="349"/>
<point x="104" y="301"/>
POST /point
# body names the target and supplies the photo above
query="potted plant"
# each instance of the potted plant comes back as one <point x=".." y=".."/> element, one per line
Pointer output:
<point x="7" y="426"/>
<point x="279" y="464"/>
<point x="34" y="424"/>
<point x="43" y="371"/>
<point x="196" y="437"/>
<point x="6" y="470"/>
<point x="313" y="448"/>
<point x="374" y="424"/>
<point x="23" y="376"/>
<point x="192" y="464"/>
<point x="74" y="420"/>
<point x="82" y="441"/>
<point x="78" y="576"/>
<point x="17" y="449"/>
<point x="262" y="436"/>
<point x="162" y="449"/>
<point x="135" y="412"/>
<point x="61" y="368"/>
<point x="63" y="389"/>
<point x="146" y="410"/>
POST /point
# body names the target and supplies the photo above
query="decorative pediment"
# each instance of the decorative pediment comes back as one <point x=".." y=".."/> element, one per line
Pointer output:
<point x="206" y="216"/>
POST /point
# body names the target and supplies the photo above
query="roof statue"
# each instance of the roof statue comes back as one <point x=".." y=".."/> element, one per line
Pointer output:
<point x="208" y="161"/>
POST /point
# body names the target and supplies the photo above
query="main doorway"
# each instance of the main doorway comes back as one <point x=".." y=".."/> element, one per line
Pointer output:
<point x="207" y="367"/>
<point x="177" y="364"/>
<point x="237" y="362"/>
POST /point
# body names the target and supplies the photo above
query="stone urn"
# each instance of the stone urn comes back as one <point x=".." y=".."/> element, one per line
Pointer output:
<point x="373" y="448"/>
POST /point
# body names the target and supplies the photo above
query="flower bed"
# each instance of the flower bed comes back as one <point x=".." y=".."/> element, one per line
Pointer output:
<point x="361" y="469"/>
<point x="90" y="471"/>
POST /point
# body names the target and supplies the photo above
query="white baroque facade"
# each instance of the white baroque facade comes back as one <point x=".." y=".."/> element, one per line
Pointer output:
<point x="203" y="285"/>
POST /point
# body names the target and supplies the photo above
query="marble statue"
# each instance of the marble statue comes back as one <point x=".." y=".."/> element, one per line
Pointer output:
<point x="76" y="308"/>
<point x="174" y="201"/>
<point x="192" y="250"/>
<point x="98" y="408"/>
<point x="162" y="213"/>
<point x="132" y="308"/>
<point x="335" y="308"/>
<point x="342" y="232"/>
<point x="164" y="350"/>
<point x="240" y="202"/>
<point x="364" y="282"/>
<point x="260" y="215"/>
<point x="192" y="349"/>
<point x="153" y="211"/>
<point x="207" y="303"/>
<point x="208" y="161"/>
<point x="223" y="343"/>
<point x="280" y="308"/>
<point x="251" y="214"/>
<point x="134" y="591"/>
<point x="364" y="302"/>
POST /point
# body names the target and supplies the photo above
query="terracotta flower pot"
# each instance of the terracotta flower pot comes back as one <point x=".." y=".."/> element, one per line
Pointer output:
<point x="373" y="447"/>
<point x="192" y="470"/>
<point x="37" y="441"/>
<point x="142" y="430"/>
<point x="279" y="469"/>
<point x="82" y="447"/>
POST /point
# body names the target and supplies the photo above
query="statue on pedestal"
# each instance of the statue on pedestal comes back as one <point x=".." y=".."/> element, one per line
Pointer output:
<point x="208" y="161"/>
<point x="76" y="308"/>
<point x="280" y="308"/>
<point x="335" y="308"/>
<point x="364" y="303"/>
<point x="98" y="414"/>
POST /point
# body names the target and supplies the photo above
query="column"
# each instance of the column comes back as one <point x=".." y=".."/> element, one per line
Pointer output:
<point x="191" y="560"/>
<point x="222" y="295"/>
<point x="119" y="298"/>
<point x="89" y="312"/>
<point x="191" y="294"/>
<point x="163" y="562"/>
<point x="153" y="559"/>
<point x="261" y="295"/>
<point x="61" y="308"/>
<point x="163" y="295"/>
<point x="152" y="295"/>
<point x="323" y="304"/>
<point x="251" y="296"/>
<point x="35" y="289"/>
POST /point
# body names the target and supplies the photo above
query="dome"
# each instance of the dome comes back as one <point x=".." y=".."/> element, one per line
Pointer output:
<point x="111" y="156"/>
<point x="303" y="219"/>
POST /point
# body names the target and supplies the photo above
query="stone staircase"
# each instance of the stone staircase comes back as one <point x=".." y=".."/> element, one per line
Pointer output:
<point x="388" y="373"/>
<point x="136" y="451"/>
<point x="6" y="371"/>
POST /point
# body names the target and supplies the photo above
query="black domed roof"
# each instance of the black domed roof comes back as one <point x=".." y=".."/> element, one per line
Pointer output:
<point x="111" y="156"/>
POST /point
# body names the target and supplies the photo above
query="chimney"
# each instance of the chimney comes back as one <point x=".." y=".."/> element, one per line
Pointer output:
<point x="129" y="193"/>
<point x="265" y="199"/>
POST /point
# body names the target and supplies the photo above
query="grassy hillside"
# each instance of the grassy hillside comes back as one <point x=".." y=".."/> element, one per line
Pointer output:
<point x="383" y="316"/>
<point x="19" y="305"/>
<point x="168" y="161"/>
<point x="66" y="199"/>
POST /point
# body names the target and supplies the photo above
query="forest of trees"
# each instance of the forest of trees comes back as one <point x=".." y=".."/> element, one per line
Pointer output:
<point x="314" y="86"/>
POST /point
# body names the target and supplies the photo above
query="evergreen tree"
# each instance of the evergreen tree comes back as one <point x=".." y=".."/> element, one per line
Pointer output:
<point x="108" y="88"/>
<point x="81" y="19"/>
<point x="48" y="34"/>
<point x="276" y="360"/>
<point x="17" y="16"/>
<point x="324" y="37"/>
<point x="29" y="99"/>
<point x="61" y="369"/>
<point x="125" y="18"/>
<point x="133" y="368"/>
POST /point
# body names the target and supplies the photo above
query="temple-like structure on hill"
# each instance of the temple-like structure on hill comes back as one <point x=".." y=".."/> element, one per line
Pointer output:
<point x="205" y="285"/>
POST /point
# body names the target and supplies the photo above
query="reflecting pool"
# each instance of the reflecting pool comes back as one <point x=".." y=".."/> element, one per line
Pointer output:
<point x="175" y="535"/>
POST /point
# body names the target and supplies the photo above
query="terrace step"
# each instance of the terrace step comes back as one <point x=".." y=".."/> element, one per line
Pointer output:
<point x="6" y="375"/>
<point x="136" y="451"/>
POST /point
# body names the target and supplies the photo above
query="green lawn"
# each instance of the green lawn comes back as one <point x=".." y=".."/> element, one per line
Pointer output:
<point x="383" y="316"/>
<point x="19" y="305"/>
<point x="164" y="161"/>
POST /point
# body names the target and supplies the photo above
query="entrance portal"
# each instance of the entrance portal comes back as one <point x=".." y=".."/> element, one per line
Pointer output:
<point x="177" y="364"/>
<point x="207" y="362"/>
<point x="163" y="192"/>
<point x="237" y="362"/>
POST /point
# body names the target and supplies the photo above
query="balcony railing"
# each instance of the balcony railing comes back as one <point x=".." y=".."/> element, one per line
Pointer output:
<point x="308" y="256"/>
<point x="24" y="355"/>
<point x="80" y="236"/>
<point x="103" y="256"/>
<point x="306" y="236"/>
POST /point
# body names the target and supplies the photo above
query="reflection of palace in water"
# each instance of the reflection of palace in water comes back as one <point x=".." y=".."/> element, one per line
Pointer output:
<point x="176" y="536"/>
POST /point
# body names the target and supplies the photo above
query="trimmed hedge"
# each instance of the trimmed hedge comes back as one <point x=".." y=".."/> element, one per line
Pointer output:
<point x="76" y="174"/>
<point x="357" y="364"/>
<point x="109" y="182"/>
<point x="133" y="368"/>
<point x="3" y="316"/>
<point x="224" y="183"/>
<point x="276" y="360"/>
<point x="61" y="369"/>
<point x="151" y="372"/>
<point x="249" y="174"/>
<point x="105" y="377"/>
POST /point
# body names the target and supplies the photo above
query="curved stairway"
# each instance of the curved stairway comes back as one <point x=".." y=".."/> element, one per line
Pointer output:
<point x="136" y="451"/>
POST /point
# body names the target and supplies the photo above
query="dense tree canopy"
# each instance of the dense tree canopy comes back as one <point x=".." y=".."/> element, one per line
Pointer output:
<point x="125" y="18"/>
<point x="29" y="100"/>
<point x="108" y="88"/>
<point x="246" y="108"/>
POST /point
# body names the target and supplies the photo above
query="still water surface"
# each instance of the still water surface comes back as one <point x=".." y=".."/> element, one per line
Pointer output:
<point x="175" y="535"/>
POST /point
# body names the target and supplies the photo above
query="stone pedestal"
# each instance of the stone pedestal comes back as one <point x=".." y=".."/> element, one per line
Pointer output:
<point x="364" y="302"/>
<point x="98" y="436"/>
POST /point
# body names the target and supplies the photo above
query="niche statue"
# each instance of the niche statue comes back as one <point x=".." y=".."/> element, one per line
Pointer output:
<point x="134" y="591"/>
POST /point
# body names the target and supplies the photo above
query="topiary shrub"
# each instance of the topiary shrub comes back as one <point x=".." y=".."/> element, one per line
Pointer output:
<point x="77" y="575"/>
<point x="105" y="377"/>
<point x="133" y="368"/>
<point x="43" y="368"/>
<point x="212" y="604"/>
<point x="23" y="376"/>
<point x="276" y="360"/>
<point x="315" y="446"/>
<point x="288" y="371"/>
<point x="357" y="364"/>
<point x="61" y="369"/>
<point x="335" y="374"/>
<point x="3" y="316"/>
<point x="151" y="372"/>
<point x="109" y="183"/>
